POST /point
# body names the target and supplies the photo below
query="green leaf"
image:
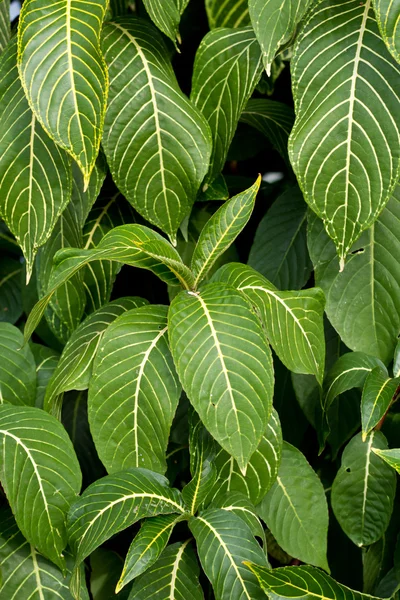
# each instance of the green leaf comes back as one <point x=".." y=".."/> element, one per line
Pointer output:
<point x="279" y="251"/>
<point x="226" y="70"/>
<point x="147" y="546"/>
<point x="175" y="576"/>
<point x="229" y="13"/>
<point x="344" y="149"/>
<point x="130" y="419"/>
<point x="240" y="505"/>
<point x="273" y="119"/>
<point x="5" y="27"/>
<point x="296" y="511"/>
<point x="261" y="471"/>
<point x="46" y="361"/>
<point x="377" y="396"/>
<point x="115" y="502"/>
<point x="160" y="160"/>
<point x="224" y="364"/>
<point x="10" y="290"/>
<point x="38" y="467"/>
<point x="387" y="14"/>
<point x="396" y="360"/>
<point x="105" y="570"/>
<point x="363" y="490"/>
<point x="64" y="74"/>
<point x="166" y="14"/>
<point x="83" y="199"/>
<point x="305" y="582"/>
<point x="217" y="190"/>
<point x="293" y="320"/>
<point x="224" y="541"/>
<point x="74" y="369"/>
<point x="221" y="230"/>
<point x="391" y="457"/>
<point x="361" y="305"/>
<point x="17" y="368"/>
<point x="35" y="175"/>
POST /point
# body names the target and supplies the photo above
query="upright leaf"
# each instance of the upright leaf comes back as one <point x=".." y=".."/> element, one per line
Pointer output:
<point x="39" y="468"/>
<point x="17" y="368"/>
<point x="227" y="69"/>
<point x="344" y="146"/>
<point x="228" y="13"/>
<point x="35" y="177"/>
<point x="134" y="391"/>
<point x="166" y="14"/>
<point x="224" y="364"/>
<point x="388" y="17"/>
<point x="64" y="75"/>
<point x="160" y="159"/>
<point x="224" y="541"/>
<point x="363" y="490"/>
<point x="5" y="27"/>
<point x="377" y="397"/>
<point x="391" y="457"/>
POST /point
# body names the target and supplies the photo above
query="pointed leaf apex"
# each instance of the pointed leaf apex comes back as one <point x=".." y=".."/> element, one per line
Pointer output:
<point x="341" y="264"/>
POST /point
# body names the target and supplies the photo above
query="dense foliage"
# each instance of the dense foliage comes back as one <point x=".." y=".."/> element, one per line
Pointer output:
<point x="199" y="365"/>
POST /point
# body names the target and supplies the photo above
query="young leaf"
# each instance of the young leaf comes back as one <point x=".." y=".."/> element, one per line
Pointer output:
<point x="387" y="15"/>
<point x="361" y="306"/>
<point x="17" y="368"/>
<point x="166" y="14"/>
<point x="376" y="398"/>
<point x="76" y="363"/>
<point x="279" y="251"/>
<point x="35" y="175"/>
<point x="221" y="231"/>
<point x="175" y="576"/>
<point x="39" y="468"/>
<point x="115" y="502"/>
<point x="296" y="511"/>
<point x="229" y="13"/>
<point x="224" y="541"/>
<point x="227" y="69"/>
<point x="64" y="75"/>
<point x="147" y="546"/>
<point x="224" y="364"/>
<point x="344" y="150"/>
<point x="134" y="391"/>
<point x="46" y="361"/>
<point x="391" y="457"/>
<point x="293" y="320"/>
<point x="161" y="158"/>
<point x="363" y="490"/>
<point x="10" y="290"/>
<point x="274" y="23"/>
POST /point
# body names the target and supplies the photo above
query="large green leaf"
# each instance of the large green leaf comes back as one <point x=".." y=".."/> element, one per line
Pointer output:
<point x="391" y="457"/>
<point x="227" y="13"/>
<point x="377" y="396"/>
<point x="388" y="17"/>
<point x="224" y="541"/>
<point x="64" y="74"/>
<point x="296" y="511"/>
<point x="166" y="14"/>
<point x="221" y="230"/>
<point x="344" y="146"/>
<point x="226" y="70"/>
<point x="35" y="177"/>
<point x="39" y="468"/>
<point x="175" y="576"/>
<point x="225" y="365"/>
<point x="10" y="289"/>
<point x="156" y="142"/>
<point x="76" y="363"/>
<point x="363" y="490"/>
<point x="115" y="502"/>
<point x="363" y="302"/>
<point x="261" y="471"/>
<point x="293" y="320"/>
<point x="17" y="368"/>
<point x="134" y="391"/>
<point x="279" y="251"/>
<point x="5" y="28"/>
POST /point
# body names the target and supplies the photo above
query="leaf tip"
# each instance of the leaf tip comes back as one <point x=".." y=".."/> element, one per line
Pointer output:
<point x="341" y="264"/>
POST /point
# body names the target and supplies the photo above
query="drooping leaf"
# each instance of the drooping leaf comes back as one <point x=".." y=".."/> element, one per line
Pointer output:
<point x="363" y="490"/>
<point x="166" y="14"/>
<point x="224" y="364"/>
<point x="35" y="178"/>
<point x="147" y="546"/>
<point x="160" y="159"/>
<point x="175" y="576"/>
<point x="17" y="368"/>
<point x="64" y="74"/>
<point x="134" y="391"/>
<point x="10" y="290"/>
<point x="221" y="230"/>
<point x="378" y="393"/>
<point x="5" y="28"/>
<point x="293" y="320"/>
<point x="46" y="361"/>
<point x="224" y="541"/>
<point x="391" y="457"/>
<point x="296" y="511"/>
<point x="388" y="17"/>
<point x="227" y="68"/>
<point x="279" y="251"/>
<point x="344" y="146"/>
<point x="38" y="467"/>
<point x="227" y="13"/>
<point x="74" y="369"/>
<point x="360" y="304"/>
